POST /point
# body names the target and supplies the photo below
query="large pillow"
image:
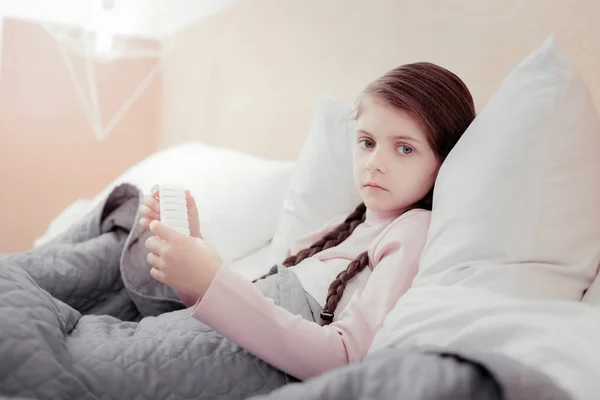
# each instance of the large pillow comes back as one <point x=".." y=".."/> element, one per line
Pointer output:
<point x="592" y="296"/>
<point x="239" y="196"/>
<point x="517" y="201"/>
<point x="322" y="185"/>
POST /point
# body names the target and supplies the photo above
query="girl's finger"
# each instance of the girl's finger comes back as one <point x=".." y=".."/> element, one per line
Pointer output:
<point x="155" y="245"/>
<point x="151" y="202"/>
<point x="154" y="191"/>
<point x="158" y="275"/>
<point x="145" y="222"/>
<point x="165" y="232"/>
<point x="190" y="200"/>
<point x="149" y="213"/>
<point x="155" y="260"/>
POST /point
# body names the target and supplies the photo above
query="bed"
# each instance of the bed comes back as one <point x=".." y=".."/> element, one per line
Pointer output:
<point x="483" y="318"/>
<point x="91" y="324"/>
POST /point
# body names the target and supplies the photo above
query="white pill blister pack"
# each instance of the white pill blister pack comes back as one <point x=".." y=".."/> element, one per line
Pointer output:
<point x="173" y="208"/>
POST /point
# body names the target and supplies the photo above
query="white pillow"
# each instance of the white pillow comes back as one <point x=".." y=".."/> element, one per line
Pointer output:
<point x="253" y="265"/>
<point x="238" y="195"/>
<point x="592" y="296"/>
<point x="517" y="202"/>
<point x="322" y="185"/>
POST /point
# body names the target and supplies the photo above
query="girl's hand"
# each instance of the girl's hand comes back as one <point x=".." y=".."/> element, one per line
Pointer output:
<point x="150" y="211"/>
<point x="185" y="263"/>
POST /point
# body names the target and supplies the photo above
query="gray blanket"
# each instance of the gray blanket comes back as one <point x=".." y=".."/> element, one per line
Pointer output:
<point x="426" y="374"/>
<point x="81" y="318"/>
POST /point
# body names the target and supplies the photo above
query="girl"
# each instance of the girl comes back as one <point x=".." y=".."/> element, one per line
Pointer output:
<point x="353" y="272"/>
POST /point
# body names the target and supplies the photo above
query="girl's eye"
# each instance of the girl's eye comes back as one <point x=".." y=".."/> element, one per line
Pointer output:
<point x="405" y="150"/>
<point x="367" y="144"/>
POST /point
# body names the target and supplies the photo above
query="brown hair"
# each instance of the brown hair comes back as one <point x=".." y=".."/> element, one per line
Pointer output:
<point x="443" y="106"/>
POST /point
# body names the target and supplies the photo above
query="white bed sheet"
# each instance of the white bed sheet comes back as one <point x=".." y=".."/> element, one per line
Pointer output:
<point x="254" y="265"/>
<point x="561" y="339"/>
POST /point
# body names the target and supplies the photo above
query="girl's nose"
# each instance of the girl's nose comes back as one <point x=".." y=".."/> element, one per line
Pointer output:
<point x="374" y="163"/>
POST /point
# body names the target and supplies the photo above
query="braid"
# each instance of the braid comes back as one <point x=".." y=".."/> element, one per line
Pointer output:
<point x="337" y="287"/>
<point x="332" y="239"/>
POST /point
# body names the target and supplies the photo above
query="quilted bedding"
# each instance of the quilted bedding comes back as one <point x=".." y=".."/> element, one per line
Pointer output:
<point x="426" y="373"/>
<point x="81" y="318"/>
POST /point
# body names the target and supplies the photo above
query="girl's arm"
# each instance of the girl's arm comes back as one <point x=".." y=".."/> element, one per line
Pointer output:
<point x="306" y="241"/>
<point x="188" y="300"/>
<point x="237" y="309"/>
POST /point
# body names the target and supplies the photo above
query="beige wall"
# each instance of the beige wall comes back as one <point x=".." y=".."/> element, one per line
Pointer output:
<point x="48" y="153"/>
<point x="249" y="77"/>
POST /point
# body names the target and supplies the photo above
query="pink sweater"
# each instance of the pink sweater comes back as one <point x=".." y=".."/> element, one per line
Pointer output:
<point x="234" y="307"/>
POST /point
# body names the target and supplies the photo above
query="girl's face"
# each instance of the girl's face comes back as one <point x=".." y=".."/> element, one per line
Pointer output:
<point x="394" y="167"/>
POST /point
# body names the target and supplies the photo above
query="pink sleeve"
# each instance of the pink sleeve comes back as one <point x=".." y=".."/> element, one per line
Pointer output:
<point x="237" y="309"/>
<point x="303" y="243"/>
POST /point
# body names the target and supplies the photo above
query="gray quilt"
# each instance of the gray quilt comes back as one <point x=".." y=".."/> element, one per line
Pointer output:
<point x="81" y="318"/>
<point x="426" y="374"/>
